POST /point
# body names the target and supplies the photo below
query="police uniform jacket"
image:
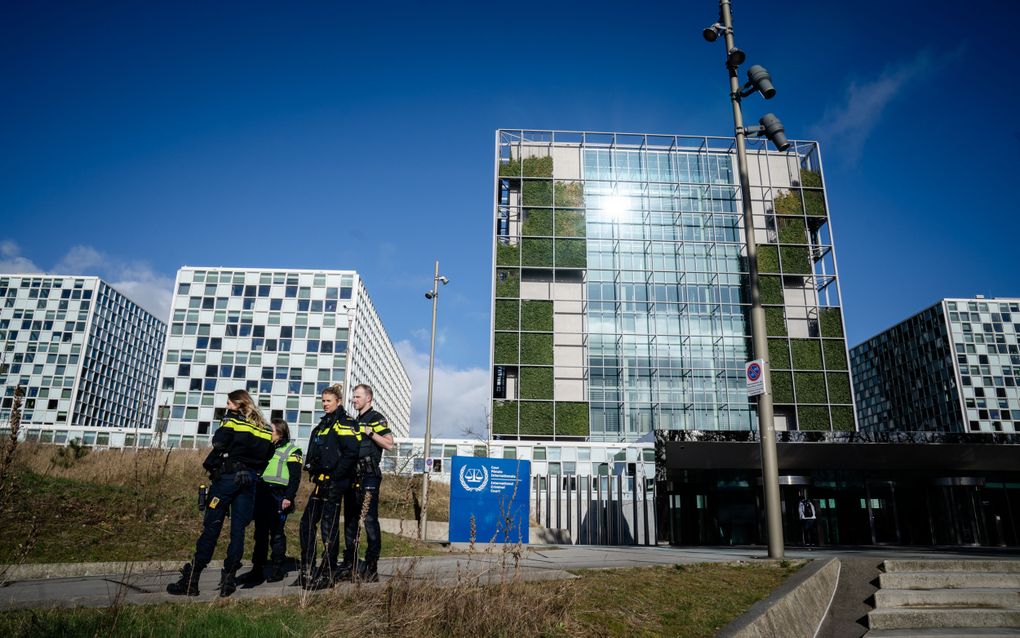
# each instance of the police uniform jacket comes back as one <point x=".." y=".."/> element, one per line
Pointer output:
<point x="333" y="447"/>
<point x="372" y="421"/>
<point x="240" y="444"/>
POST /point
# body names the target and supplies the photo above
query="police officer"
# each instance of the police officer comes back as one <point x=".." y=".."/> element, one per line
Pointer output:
<point x="332" y="457"/>
<point x="274" y="500"/>
<point x="242" y="446"/>
<point x="375" y="437"/>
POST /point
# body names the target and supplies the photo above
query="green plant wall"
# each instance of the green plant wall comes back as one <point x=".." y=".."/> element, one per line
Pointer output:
<point x="504" y="417"/>
<point x="768" y="258"/>
<point x="507" y="255"/>
<point x="537" y="222"/>
<point x="537" y="315"/>
<point x="569" y="194"/>
<point x="807" y="354"/>
<point x="810" y="387"/>
<point x="814" y="203"/>
<point x="835" y="354"/>
<point x="505" y="348"/>
<point x="537" y="349"/>
<point x="571" y="253"/>
<point x="788" y="203"/>
<point x="507" y="314"/>
<point x="775" y="322"/>
<point x="771" y="290"/>
<point x="813" y="417"/>
<point x="839" y="387"/>
<point x="796" y="260"/>
<point x="782" y="387"/>
<point x="536" y="383"/>
<point x="572" y="418"/>
<point x="532" y="167"/>
<point x="830" y="321"/>
<point x="537" y="417"/>
<point x="791" y="230"/>
<point x="570" y="223"/>
<point x="779" y="354"/>
<point x="843" y="418"/>
<point x="537" y="253"/>
<point x="810" y="178"/>
<point x="508" y="282"/>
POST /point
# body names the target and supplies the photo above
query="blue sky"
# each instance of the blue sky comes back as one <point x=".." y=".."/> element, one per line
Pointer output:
<point x="138" y="137"/>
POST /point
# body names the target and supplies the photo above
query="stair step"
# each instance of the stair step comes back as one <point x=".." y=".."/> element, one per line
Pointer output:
<point x="905" y="618"/>
<point x="949" y="580"/>
<point x="945" y="632"/>
<point x="952" y="565"/>
<point x="972" y="597"/>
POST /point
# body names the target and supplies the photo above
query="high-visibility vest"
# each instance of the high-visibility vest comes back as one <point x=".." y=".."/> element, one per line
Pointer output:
<point x="277" y="472"/>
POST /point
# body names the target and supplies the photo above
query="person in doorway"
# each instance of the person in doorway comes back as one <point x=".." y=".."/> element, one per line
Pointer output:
<point x="274" y="500"/>
<point x="808" y="515"/>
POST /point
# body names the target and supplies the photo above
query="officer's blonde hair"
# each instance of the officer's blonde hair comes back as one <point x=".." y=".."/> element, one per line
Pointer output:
<point x="246" y="406"/>
<point x="337" y="390"/>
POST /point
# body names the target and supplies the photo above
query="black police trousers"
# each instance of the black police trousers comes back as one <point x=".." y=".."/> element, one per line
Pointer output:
<point x="269" y="524"/>
<point x="322" y="511"/>
<point x="354" y="502"/>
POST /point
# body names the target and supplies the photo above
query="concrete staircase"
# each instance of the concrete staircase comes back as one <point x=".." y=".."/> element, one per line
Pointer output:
<point x="947" y="598"/>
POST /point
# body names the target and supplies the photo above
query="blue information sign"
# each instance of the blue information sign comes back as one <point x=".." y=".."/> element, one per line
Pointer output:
<point x="495" y="492"/>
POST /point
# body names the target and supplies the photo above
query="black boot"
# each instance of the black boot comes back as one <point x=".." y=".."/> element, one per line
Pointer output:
<point x="187" y="585"/>
<point x="302" y="578"/>
<point x="323" y="578"/>
<point x="278" y="573"/>
<point x="368" y="571"/>
<point x="256" y="576"/>
<point x="228" y="581"/>
<point x="344" y="571"/>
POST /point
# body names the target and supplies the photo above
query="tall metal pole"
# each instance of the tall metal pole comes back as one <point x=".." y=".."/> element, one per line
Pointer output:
<point x="766" y="424"/>
<point x="423" y="529"/>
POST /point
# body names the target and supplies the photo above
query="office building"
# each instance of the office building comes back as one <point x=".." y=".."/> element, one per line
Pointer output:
<point x="620" y="293"/>
<point x="953" y="367"/>
<point x="284" y="335"/>
<point x="86" y="355"/>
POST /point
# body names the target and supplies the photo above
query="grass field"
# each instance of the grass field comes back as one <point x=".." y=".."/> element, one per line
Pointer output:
<point x="119" y="505"/>
<point x="682" y="601"/>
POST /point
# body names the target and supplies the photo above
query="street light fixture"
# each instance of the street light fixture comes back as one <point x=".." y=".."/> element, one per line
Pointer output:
<point x="433" y="295"/>
<point x="759" y="81"/>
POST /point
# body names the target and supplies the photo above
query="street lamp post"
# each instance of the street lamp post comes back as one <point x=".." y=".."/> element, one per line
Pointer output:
<point x="434" y="296"/>
<point x="758" y="81"/>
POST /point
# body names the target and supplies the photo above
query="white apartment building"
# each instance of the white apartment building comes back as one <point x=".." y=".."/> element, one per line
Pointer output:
<point x="86" y="355"/>
<point x="284" y="336"/>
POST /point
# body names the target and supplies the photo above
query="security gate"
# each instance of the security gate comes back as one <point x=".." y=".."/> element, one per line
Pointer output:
<point x="596" y="510"/>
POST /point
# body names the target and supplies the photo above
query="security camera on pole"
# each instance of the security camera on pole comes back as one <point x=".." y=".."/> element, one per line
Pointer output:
<point x="433" y="295"/>
<point x="758" y="80"/>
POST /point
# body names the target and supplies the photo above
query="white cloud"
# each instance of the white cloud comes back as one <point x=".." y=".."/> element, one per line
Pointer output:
<point x="136" y="280"/>
<point x="848" y="125"/>
<point x="11" y="260"/>
<point x="459" y="395"/>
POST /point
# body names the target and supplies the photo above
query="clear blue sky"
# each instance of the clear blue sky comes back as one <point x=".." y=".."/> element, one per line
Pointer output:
<point x="142" y="136"/>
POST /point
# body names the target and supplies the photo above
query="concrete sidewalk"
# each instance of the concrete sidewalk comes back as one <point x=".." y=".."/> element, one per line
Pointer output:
<point x="106" y="584"/>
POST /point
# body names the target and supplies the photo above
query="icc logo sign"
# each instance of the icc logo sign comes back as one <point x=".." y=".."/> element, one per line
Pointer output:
<point x="474" y="479"/>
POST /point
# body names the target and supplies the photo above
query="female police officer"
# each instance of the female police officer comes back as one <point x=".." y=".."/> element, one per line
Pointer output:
<point x="242" y="446"/>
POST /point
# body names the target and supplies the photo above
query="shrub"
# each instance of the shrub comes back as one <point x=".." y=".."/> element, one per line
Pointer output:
<point x="569" y="194"/>
<point x="504" y="417"/>
<point x="536" y="383"/>
<point x="505" y="348"/>
<point x="779" y="354"/>
<point x="571" y="253"/>
<point x="538" y="166"/>
<point x="831" y="322"/>
<point x="796" y="260"/>
<point x="537" y="252"/>
<point x="835" y="354"/>
<point x="788" y="203"/>
<point x="510" y="169"/>
<point x="810" y="178"/>
<point x="537" y="417"/>
<point x="791" y="230"/>
<point x="570" y="223"/>
<point x="814" y="203"/>
<point x="538" y="221"/>
<point x="771" y="289"/>
<point x="537" y="349"/>
<point x="810" y="387"/>
<point x="807" y="354"/>
<point x="508" y="282"/>
<point x="782" y="387"/>
<point x="572" y="418"/>
<point x="507" y="314"/>
<point x="67" y="456"/>
<point x="507" y="255"/>
<point x="537" y="315"/>
<point x="768" y="258"/>
<point x="843" y="418"/>
<point x="775" y="323"/>
<point x="813" y="417"/>
<point x="537" y="192"/>
<point x="839" y="388"/>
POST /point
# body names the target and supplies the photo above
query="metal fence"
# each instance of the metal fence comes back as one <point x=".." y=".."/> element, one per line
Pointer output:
<point x="596" y="510"/>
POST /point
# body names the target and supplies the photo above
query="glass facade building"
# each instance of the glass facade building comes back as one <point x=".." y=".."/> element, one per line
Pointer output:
<point x="87" y="356"/>
<point x="283" y="335"/>
<point x="620" y="287"/>
<point x="953" y="367"/>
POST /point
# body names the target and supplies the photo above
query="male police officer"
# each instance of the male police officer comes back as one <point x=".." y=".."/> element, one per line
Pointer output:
<point x="375" y="437"/>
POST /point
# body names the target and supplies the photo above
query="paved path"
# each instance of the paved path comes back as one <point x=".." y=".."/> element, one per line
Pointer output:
<point x="145" y="583"/>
